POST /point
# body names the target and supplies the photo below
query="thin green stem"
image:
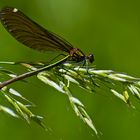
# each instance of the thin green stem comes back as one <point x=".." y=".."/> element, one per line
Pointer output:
<point x="31" y="73"/>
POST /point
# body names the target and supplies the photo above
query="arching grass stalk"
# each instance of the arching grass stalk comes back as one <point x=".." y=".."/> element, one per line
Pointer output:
<point x="60" y="77"/>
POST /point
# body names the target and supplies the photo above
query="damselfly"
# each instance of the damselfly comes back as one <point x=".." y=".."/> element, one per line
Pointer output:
<point x="32" y="35"/>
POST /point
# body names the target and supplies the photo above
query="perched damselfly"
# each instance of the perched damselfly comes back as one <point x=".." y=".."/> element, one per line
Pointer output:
<point x="32" y="35"/>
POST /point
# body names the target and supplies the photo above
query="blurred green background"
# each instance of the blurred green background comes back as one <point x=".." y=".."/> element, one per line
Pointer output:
<point x="111" y="30"/>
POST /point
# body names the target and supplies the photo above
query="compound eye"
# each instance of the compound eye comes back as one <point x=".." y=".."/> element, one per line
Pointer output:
<point x="91" y="58"/>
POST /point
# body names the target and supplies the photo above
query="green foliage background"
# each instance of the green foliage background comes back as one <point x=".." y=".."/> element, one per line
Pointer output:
<point x="109" y="29"/>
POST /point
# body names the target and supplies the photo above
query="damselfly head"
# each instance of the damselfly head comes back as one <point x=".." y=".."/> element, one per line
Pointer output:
<point x="90" y="57"/>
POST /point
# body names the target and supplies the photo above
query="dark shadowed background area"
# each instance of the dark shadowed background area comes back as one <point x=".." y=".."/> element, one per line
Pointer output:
<point x="110" y="30"/>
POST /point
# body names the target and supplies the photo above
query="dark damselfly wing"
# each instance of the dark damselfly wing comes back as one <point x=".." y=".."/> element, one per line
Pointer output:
<point x="30" y="33"/>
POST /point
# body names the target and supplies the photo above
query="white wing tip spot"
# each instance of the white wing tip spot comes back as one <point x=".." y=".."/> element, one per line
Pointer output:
<point x="15" y="10"/>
